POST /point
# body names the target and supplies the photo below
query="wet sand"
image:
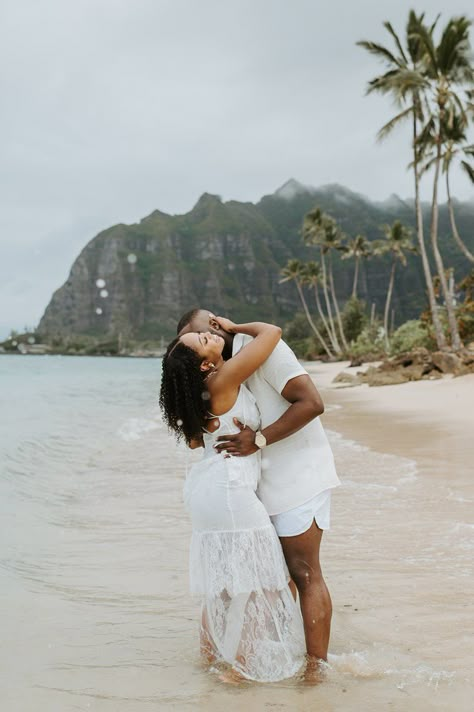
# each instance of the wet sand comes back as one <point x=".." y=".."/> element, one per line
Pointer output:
<point x="415" y="588"/>
<point x="429" y="421"/>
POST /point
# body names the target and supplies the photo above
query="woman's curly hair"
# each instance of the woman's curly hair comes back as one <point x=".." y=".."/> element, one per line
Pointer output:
<point x="183" y="394"/>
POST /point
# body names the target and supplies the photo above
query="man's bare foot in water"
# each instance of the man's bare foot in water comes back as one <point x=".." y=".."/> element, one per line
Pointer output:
<point x="315" y="671"/>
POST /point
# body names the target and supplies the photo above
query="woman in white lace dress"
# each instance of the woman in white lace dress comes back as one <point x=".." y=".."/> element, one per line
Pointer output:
<point x="249" y="618"/>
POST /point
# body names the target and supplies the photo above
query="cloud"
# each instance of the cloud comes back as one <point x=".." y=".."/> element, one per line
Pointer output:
<point x="113" y="108"/>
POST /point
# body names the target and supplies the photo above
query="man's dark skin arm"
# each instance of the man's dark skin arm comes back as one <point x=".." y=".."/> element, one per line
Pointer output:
<point x="305" y="405"/>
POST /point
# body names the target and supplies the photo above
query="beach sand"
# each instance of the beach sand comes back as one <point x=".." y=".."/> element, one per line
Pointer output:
<point x="413" y="581"/>
<point x="431" y="421"/>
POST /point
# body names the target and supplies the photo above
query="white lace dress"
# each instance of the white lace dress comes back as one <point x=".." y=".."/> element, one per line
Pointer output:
<point x="249" y="618"/>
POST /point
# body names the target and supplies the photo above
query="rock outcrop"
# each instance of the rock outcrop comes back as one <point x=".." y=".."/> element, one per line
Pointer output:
<point x="419" y="364"/>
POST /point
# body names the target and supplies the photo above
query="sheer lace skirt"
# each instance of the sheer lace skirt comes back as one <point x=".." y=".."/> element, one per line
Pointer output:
<point x="259" y="633"/>
<point x="249" y="618"/>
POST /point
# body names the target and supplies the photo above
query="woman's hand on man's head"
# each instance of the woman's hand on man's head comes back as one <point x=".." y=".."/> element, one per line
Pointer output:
<point x="223" y="322"/>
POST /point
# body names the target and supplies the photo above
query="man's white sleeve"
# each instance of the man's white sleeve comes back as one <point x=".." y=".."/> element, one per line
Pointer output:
<point x="281" y="366"/>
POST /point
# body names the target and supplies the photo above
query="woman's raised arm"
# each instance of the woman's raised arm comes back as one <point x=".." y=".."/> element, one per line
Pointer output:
<point x="237" y="369"/>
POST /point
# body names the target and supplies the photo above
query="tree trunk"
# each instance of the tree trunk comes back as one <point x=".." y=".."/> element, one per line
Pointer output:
<point x="323" y="317"/>
<point x="438" y="328"/>
<point x="454" y="228"/>
<point x="356" y="277"/>
<point x="453" y="327"/>
<point x="387" y="304"/>
<point x="334" y="338"/>
<point x="311" y="322"/>
<point x="336" y="305"/>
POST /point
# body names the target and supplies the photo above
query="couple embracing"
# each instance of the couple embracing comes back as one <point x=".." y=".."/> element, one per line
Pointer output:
<point x="259" y="499"/>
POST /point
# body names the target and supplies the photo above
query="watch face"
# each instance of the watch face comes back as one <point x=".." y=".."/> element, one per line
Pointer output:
<point x="260" y="440"/>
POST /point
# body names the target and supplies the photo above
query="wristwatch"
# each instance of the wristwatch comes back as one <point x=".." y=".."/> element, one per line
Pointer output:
<point x="260" y="439"/>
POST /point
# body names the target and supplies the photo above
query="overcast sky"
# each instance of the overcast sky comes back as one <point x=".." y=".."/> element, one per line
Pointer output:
<point x="112" y="108"/>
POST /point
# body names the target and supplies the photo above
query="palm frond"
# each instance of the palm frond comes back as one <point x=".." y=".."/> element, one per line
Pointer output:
<point x="421" y="32"/>
<point x="427" y="165"/>
<point x="433" y="26"/>
<point x="468" y="169"/>
<point x="379" y="51"/>
<point x="414" y="44"/>
<point x="387" y="129"/>
<point x="453" y="50"/>
<point x="462" y="110"/>
<point x="426" y="136"/>
<point x="390" y="29"/>
<point x="384" y="83"/>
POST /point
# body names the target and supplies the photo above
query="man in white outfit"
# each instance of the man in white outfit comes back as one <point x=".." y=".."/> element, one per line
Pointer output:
<point x="298" y="471"/>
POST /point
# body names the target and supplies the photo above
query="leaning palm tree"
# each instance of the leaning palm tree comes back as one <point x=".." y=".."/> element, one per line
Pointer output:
<point x="449" y="68"/>
<point x="404" y="80"/>
<point x="321" y="230"/>
<point x="396" y="243"/>
<point x="455" y="145"/>
<point x="358" y="248"/>
<point x="311" y="274"/>
<point x="333" y="242"/>
<point x="313" y="233"/>
<point x="293" y="273"/>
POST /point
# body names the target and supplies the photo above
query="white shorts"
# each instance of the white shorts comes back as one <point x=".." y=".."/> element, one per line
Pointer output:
<point x="298" y="520"/>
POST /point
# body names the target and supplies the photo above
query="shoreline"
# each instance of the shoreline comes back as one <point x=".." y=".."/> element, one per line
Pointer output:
<point x="398" y="557"/>
<point x="150" y="354"/>
<point x="428" y="421"/>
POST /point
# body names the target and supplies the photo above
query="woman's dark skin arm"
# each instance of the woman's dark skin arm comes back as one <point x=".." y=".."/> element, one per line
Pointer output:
<point x="224" y="386"/>
<point x="211" y="425"/>
<point x="306" y="404"/>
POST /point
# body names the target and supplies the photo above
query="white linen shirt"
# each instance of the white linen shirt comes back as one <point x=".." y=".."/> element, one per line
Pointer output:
<point x="297" y="468"/>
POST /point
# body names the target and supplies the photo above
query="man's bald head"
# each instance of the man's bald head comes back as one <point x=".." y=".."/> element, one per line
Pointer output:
<point x="187" y="318"/>
<point x="197" y="320"/>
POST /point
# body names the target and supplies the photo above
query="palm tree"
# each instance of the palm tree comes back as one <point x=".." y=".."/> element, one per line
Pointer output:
<point x="293" y="272"/>
<point x="357" y="248"/>
<point x="397" y="242"/>
<point x="404" y="80"/>
<point x="311" y="274"/>
<point x="313" y="232"/>
<point x="448" y="66"/>
<point x="322" y="231"/>
<point x="455" y="145"/>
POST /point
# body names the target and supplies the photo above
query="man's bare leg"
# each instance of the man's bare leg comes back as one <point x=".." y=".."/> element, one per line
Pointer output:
<point x="302" y="557"/>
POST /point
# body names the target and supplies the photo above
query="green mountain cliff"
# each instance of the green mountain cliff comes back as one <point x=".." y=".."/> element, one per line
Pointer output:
<point x="227" y="256"/>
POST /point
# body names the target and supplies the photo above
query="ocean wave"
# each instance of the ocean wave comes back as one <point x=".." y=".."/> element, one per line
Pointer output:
<point x="136" y="428"/>
<point x="382" y="662"/>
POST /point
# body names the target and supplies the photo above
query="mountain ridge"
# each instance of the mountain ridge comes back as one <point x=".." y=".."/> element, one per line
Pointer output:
<point x="227" y="255"/>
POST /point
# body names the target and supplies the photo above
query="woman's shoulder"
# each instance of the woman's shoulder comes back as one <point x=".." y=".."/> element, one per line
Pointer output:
<point x="223" y="400"/>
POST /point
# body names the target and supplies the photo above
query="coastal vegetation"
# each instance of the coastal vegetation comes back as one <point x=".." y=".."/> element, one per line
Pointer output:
<point x="429" y="74"/>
